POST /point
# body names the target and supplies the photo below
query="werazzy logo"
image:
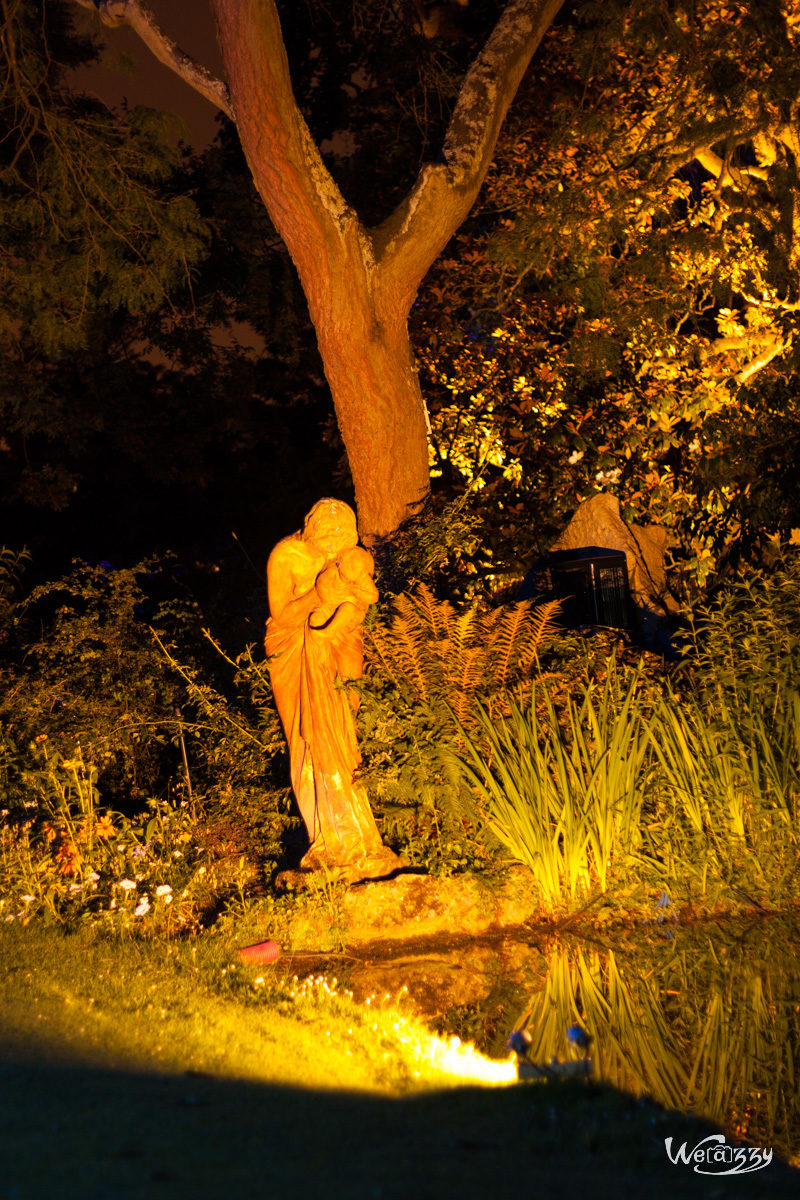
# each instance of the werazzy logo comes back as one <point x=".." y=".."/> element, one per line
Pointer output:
<point x="713" y="1156"/>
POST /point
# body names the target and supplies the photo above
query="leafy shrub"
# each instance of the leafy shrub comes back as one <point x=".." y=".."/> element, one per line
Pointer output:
<point x="12" y="564"/>
<point x="66" y="856"/>
<point x="108" y="671"/>
<point x="691" y="785"/>
<point x="727" y="735"/>
<point x="87" y="672"/>
<point x="438" y="545"/>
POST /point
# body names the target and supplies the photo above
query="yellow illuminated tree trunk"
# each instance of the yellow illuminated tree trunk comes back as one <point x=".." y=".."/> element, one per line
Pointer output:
<point x="359" y="282"/>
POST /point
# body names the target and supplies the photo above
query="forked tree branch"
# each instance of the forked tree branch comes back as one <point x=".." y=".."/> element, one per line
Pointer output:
<point x="140" y="18"/>
<point x="416" y="232"/>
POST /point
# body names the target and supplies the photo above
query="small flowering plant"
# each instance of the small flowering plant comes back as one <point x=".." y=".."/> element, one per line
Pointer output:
<point x="61" y="854"/>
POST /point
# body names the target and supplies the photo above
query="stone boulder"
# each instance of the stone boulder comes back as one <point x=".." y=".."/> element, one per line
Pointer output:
<point x="597" y="522"/>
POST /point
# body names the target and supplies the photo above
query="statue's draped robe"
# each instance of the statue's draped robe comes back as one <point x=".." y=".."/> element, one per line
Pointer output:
<point x="318" y="718"/>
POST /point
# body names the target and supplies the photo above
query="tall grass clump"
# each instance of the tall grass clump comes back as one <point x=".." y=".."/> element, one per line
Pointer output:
<point x="564" y="792"/>
<point x="726" y="733"/>
<point x="687" y="785"/>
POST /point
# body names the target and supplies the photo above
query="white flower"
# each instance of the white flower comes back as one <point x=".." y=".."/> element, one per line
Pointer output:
<point x="93" y="877"/>
<point x="143" y="907"/>
<point x="608" y="476"/>
<point x="127" y="885"/>
<point x="576" y="456"/>
<point x="163" y="889"/>
<point x="27" y="899"/>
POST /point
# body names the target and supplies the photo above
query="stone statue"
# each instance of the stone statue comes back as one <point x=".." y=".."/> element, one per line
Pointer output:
<point x="320" y="587"/>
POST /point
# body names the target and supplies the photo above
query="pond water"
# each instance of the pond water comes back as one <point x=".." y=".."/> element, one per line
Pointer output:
<point x="703" y="1018"/>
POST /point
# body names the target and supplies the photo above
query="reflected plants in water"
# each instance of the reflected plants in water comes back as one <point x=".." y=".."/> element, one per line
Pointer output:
<point x="704" y="1023"/>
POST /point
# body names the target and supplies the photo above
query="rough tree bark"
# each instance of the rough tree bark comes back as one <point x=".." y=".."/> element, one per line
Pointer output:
<point x="359" y="282"/>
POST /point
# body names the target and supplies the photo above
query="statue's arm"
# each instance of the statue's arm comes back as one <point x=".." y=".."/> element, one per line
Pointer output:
<point x="291" y="571"/>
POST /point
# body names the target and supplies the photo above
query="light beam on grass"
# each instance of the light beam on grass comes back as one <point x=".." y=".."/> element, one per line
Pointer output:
<point x="460" y="1061"/>
<point x="429" y="1059"/>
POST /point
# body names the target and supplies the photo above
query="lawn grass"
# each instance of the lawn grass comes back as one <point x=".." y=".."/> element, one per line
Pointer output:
<point x="150" y="1070"/>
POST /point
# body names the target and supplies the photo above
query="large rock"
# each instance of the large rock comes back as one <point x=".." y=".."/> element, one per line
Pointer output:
<point x="410" y="906"/>
<point x="597" y="522"/>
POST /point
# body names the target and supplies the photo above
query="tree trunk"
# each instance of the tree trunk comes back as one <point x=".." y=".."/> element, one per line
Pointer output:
<point x="370" y="368"/>
<point x="358" y="307"/>
<point x="359" y="283"/>
<point x="360" y="317"/>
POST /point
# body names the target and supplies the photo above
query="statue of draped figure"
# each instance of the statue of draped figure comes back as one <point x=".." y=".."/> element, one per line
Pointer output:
<point x="320" y="585"/>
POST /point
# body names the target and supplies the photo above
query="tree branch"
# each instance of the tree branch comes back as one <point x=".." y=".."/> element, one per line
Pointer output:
<point x="763" y="360"/>
<point x="419" y="228"/>
<point x="739" y="341"/>
<point x="321" y="232"/>
<point x="140" y="18"/>
<point x="773" y="345"/>
<point x="724" y="172"/>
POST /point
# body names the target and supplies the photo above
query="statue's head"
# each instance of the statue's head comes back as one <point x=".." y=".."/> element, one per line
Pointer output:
<point x="331" y="527"/>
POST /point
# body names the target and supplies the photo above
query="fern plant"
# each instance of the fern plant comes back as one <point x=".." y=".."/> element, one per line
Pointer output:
<point x="431" y="652"/>
<point x="429" y="668"/>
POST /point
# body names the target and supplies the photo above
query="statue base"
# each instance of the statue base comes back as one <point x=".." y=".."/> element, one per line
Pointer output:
<point x="379" y="863"/>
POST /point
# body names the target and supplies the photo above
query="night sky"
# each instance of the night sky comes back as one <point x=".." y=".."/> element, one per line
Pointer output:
<point x="191" y="25"/>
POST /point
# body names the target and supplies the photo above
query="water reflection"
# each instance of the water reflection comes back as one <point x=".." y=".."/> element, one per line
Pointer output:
<point x="711" y="1026"/>
<point x="704" y="1020"/>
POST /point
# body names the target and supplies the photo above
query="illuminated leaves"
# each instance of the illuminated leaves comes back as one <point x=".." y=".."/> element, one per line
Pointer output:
<point x="639" y="248"/>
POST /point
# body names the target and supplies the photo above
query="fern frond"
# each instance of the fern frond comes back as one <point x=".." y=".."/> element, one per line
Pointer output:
<point x="408" y="648"/>
<point x="541" y="625"/>
<point x="379" y="646"/>
<point x="435" y="614"/>
<point x="506" y="629"/>
<point x="470" y="677"/>
<point x="464" y="632"/>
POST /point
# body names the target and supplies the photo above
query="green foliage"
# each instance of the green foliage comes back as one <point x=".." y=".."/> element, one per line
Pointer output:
<point x="438" y="547"/>
<point x="693" y="788"/>
<point x="88" y="673"/>
<point x="621" y="312"/>
<point x="730" y="794"/>
<point x="727" y="733"/>
<point x="91" y="222"/>
<point x="238" y="746"/>
<point x="108" y="707"/>
<point x="743" y="643"/>
<point x="12" y="564"/>
<point x="427" y="669"/>
<point x="565" y="795"/>
<point x="64" y="856"/>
